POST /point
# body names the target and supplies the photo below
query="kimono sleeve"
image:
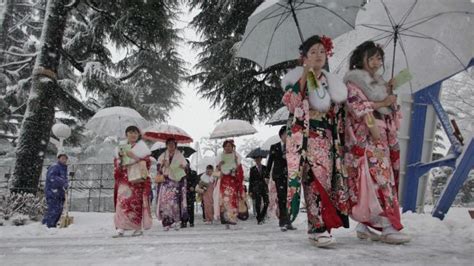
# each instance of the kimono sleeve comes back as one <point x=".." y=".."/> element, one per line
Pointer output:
<point x="292" y="97"/>
<point x="358" y="105"/>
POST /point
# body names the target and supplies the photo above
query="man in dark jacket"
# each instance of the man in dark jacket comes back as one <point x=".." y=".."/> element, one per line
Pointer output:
<point x="55" y="190"/>
<point x="258" y="188"/>
<point x="277" y="160"/>
<point x="192" y="180"/>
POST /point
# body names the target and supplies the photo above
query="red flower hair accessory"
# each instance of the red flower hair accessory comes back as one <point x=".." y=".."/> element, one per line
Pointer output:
<point x="328" y="45"/>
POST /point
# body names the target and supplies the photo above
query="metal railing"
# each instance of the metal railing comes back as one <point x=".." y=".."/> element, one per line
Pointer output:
<point x="91" y="186"/>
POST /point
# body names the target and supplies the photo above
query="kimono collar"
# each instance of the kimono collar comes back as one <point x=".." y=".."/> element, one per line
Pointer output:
<point x="374" y="88"/>
<point x="336" y="88"/>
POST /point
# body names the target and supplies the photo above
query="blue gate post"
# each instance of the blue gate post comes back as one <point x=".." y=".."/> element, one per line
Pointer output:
<point x="421" y="100"/>
<point x="415" y="169"/>
<point x="455" y="182"/>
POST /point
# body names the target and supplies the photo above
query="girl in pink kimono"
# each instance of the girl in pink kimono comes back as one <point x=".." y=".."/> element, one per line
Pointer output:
<point x="230" y="185"/>
<point x="373" y="152"/>
<point x="314" y="98"/>
<point x="131" y="199"/>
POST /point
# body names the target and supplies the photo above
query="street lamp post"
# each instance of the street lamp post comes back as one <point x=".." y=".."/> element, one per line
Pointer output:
<point x="62" y="132"/>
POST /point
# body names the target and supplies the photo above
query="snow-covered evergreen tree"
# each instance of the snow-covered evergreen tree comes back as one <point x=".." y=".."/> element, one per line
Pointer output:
<point x="77" y="52"/>
<point x="238" y="86"/>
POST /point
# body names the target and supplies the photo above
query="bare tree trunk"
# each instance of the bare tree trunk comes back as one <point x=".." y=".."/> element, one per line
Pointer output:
<point x="39" y="116"/>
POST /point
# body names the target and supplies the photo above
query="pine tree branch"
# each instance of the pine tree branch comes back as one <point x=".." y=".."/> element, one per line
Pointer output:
<point x="71" y="59"/>
<point x="11" y="72"/>
<point x="35" y="6"/>
<point x="17" y="63"/>
<point x="131" y="73"/>
<point x="18" y="54"/>
<point x="73" y="4"/>
<point x="112" y="18"/>
<point x="15" y="40"/>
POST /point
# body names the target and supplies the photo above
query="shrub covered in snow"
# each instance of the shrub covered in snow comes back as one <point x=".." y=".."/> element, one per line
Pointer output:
<point x="19" y="208"/>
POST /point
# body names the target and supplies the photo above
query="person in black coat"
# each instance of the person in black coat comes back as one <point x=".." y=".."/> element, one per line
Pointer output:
<point x="277" y="160"/>
<point x="192" y="180"/>
<point x="258" y="188"/>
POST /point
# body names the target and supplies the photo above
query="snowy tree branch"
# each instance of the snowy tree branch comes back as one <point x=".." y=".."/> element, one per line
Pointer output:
<point x="73" y="61"/>
<point x="131" y="73"/>
<point x="73" y="4"/>
<point x="19" y="54"/>
<point x="112" y="18"/>
<point x="17" y="63"/>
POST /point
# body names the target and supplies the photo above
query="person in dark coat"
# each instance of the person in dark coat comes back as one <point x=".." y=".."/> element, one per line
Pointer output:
<point x="55" y="191"/>
<point x="192" y="180"/>
<point x="258" y="188"/>
<point x="277" y="160"/>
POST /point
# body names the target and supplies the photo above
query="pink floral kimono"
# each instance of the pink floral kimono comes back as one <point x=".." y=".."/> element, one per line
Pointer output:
<point x="132" y="201"/>
<point x="230" y="189"/>
<point x="373" y="167"/>
<point x="314" y="137"/>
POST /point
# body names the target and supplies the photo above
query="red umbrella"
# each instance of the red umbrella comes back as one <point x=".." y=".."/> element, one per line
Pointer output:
<point x="163" y="132"/>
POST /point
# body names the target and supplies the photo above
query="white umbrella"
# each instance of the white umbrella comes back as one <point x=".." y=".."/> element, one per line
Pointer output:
<point x="280" y="117"/>
<point x="275" y="29"/>
<point x="232" y="128"/>
<point x="204" y="162"/>
<point x="163" y="132"/>
<point x="432" y="38"/>
<point x="269" y="142"/>
<point x="113" y="121"/>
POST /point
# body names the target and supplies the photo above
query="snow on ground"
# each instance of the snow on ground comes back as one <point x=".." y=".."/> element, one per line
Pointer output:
<point x="88" y="242"/>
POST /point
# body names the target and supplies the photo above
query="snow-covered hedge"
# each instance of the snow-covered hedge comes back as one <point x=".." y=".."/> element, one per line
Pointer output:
<point x="19" y="208"/>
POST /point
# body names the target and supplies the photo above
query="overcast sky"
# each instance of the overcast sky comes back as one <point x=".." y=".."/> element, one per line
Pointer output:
<point x="195" y="114"/>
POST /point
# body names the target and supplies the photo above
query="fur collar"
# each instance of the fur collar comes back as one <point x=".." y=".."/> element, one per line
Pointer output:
<point x="336" y="88"/>
<point x="374" y="88"/>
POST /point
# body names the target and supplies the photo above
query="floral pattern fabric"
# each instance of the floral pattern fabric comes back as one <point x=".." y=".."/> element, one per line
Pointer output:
<point x="373" y="166"/>
<point x="132" y="201"/>
<point x="314" y="137"/>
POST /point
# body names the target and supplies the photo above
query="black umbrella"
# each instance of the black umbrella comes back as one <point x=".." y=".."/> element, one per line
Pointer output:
<point x="186" y="150"/>
<point x="257" y="153"/>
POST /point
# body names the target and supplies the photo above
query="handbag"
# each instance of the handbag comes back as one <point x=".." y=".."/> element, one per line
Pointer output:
<point x="159" y="178"/>
<point x="137" y="173"/>
<point x="243" y="213"/>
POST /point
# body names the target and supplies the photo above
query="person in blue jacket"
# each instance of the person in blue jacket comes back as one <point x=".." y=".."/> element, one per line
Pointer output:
<point x="55" y="190"/>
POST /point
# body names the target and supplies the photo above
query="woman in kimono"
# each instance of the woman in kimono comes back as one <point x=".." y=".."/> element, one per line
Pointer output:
<point x="205" y="188"/>
<point x="230" y="184"/>
<point x="171" y="204"/>
<point x="314" y="149"/>
<point x="373" y="151"/>
<point x="131" y="197"/>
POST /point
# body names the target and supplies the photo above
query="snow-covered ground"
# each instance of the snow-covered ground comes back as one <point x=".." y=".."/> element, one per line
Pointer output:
<point x="88" y="242"/>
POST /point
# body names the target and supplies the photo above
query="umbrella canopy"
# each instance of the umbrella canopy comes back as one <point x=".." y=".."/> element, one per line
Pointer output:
<point x="113" y="121"/>
<point x="277" y="28"/>
<point x="280" y="117"/>
<point x="163" y="132"/>
<point x="158" y="148"/>
<point x="204" y="162"/>
<point x="432" y="38"/>
<point x="255" y="153"/>
<point x="232" y="128"/>
<point x="269" y="142"/>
